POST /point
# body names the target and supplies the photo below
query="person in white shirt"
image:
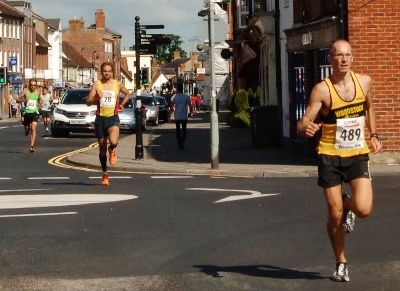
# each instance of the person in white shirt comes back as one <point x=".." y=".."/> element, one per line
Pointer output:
<point x="181" y="102"/>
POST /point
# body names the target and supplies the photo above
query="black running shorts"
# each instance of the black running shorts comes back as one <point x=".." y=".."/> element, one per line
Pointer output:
<point x="29" y="118"/>
<point x="102" y="125"/>
<point x="333" y="170"/>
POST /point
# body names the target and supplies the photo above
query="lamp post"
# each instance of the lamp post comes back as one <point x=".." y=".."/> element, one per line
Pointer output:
<point x="210" y="12"/>
<point x="94" y="55"/>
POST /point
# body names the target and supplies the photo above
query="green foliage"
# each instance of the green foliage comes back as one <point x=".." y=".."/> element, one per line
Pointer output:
<point x="258" y="96"/>
<point x="241" y="100"/>
<point x="239" y="104"/>
<point x="165" y="53"/>
<point x="240" y="119"/>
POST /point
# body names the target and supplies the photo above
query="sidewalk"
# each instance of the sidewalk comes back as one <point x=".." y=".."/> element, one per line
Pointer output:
<point x="236" y="156"/>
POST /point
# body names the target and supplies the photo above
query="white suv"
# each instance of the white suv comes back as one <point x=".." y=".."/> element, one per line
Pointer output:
<point x="72" y="114"/>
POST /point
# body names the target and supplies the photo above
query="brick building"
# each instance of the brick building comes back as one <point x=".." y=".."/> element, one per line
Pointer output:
<point x="86" y="48"/>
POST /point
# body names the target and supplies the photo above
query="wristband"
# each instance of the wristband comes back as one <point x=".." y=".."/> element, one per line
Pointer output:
<point x="374" y="135"/>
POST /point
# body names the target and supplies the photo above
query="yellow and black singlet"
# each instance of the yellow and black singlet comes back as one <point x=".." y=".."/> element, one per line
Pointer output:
<point x="109" y="103"/>
<point x="343" y="130"/>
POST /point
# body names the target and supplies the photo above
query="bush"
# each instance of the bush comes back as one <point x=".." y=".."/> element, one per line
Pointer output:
<point x="240" y="119"/>
<point x="252" y="97"/>
<point x="241" y="100"/>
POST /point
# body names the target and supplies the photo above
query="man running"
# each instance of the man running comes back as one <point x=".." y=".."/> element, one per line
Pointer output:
<point x="105" y="94"/>
<point x="31" y="112"/>
<point x="344" y="104"/>
<point x="46" y="108"/>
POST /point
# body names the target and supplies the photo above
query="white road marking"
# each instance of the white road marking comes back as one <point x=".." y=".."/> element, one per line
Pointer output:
<point x="38" y="214"/>
<point x="48" y="178"/>
<point x="23" y="190"/>
<point x="5" y="178"/>
<point x="170" y="177"/>
<point x="38" y="201"/>
<point x="252" y="194"/>
<point x="3" y="127"/>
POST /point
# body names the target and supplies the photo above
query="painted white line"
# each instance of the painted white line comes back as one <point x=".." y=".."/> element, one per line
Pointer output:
<point x="112" y="177"/>
<point x="3" y="127"/>
<point x="170" y="177"/>
<point x="48" y="178"/>
<point x="23" y="190"/>
<point x="38" y="214"/>
<point x="37" y="201"/>
<point x="4" y="178"/>
<point x="252" y="194"/>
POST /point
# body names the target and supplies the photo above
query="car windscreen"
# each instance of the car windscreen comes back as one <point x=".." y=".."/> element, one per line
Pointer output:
<point x="75" y="97"/>
<point x="147" y="100"/>
<point x="127" y="105"/>
<point x="161" y="100"/>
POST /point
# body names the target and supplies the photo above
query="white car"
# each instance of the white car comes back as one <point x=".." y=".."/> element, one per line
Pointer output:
<point x="72" y="114"/>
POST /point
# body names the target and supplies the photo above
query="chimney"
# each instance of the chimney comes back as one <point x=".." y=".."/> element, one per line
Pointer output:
<point x="76" y="24"/>
<point x="177" y="55"/>
<point x="100" y="19"/>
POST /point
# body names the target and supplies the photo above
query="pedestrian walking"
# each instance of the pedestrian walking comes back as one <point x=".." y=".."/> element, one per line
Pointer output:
<point x="181" y="103"/>
<point x="105" y="94"/>
<point x="344" y="103"/>
<point x="30" y="96"/>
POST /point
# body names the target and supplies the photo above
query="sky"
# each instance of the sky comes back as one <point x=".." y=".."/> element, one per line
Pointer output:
<point x="179" y="17"/>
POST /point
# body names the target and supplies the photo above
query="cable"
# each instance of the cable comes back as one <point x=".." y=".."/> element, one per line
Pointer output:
<point x="356" y="9"/>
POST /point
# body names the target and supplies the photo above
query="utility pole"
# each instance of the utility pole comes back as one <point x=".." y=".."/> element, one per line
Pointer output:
<point x="214" y="115"/>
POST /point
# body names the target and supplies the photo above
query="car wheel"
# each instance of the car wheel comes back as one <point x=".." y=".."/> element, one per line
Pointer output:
<point x="156" y="121"/>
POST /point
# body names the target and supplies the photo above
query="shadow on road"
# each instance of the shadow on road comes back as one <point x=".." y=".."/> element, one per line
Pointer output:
<point x="260" y="271"/>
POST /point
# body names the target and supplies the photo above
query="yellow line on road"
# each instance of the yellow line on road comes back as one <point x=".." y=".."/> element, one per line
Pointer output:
<point x="56" y="161"/>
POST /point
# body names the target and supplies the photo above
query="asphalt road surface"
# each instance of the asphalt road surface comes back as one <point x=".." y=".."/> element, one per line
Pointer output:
<point x="61" y="230"/>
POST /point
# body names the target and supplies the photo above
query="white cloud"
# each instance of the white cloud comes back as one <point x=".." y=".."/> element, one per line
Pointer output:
<point x="178" y="16"/>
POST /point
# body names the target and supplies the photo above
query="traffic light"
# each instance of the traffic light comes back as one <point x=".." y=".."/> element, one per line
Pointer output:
<point x="145" y="76"/>
<point x="3" y="75"/>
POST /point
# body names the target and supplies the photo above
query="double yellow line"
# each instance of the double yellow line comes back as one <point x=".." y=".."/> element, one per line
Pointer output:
<point x="56" y="161"/>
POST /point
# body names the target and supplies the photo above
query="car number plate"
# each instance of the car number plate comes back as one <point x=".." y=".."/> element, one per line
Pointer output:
<point x="77" y="121"/>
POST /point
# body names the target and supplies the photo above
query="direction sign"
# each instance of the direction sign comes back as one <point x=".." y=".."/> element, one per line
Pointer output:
<point x="156" y="35"/>
<point x="152" y="26"/>
<point x="156" y="41"/>
<point x="149" y="49"/>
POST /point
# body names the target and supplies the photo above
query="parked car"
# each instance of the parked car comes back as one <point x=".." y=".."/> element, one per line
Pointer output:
<point x="163" y="110"/>
<point x="72" y="114"/>
<point x="150" y="104"/>
<point x="127" y="117"/>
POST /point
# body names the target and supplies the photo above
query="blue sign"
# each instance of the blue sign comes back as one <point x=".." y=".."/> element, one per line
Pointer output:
<point x="16" y="79"/>
<point x="13" y="61"/>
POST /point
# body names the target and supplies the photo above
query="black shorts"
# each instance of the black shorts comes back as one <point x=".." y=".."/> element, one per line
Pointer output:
<point x="30" y="117"/>
<point x="46" y="113"/>
<point x="333" y="170"/>
<point x="103" y="124"/>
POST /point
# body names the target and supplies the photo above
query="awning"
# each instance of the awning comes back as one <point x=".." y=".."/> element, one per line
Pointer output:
<point x="41" y="41"/>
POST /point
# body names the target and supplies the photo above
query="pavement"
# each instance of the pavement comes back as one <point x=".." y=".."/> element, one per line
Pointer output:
<point x="235" y="154"/>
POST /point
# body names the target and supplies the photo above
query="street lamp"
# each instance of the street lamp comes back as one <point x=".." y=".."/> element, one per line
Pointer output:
<point x="210" y="12"/>
<point x="94" y="55"/>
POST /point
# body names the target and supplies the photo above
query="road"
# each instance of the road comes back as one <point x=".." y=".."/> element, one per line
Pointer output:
<point x="61" y="230"/>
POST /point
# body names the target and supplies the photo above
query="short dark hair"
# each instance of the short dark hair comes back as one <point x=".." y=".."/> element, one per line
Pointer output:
<point x="33" y="80"/>
<point x="179" y="85"/>
<point x="106" y="64"/>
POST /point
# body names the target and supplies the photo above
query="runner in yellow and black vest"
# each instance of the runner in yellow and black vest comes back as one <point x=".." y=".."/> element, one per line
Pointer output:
<point x="105" y="93"/>
<point x="344" y="104"/>
<point x="31" y="115"/>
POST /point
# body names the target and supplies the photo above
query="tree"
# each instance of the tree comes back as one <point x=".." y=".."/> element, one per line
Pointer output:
<point x="165" y="53"/>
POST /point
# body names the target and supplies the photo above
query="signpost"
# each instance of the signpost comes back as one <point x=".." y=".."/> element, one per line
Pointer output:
<point x="144" y="45"/>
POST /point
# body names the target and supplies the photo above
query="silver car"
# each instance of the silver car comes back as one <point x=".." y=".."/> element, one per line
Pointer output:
<point x="127" y="118"/>
<point x="149" y="103"/>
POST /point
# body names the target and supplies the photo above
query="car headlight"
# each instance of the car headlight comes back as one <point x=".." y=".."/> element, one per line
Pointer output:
<point x="60" y="111"/>
<point x="93" y="112"/>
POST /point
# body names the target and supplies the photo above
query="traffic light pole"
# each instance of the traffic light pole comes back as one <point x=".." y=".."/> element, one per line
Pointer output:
<point x="138" y="109"/>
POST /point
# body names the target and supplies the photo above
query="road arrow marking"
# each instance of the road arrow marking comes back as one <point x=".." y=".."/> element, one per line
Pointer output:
<point x="252" y="194"/>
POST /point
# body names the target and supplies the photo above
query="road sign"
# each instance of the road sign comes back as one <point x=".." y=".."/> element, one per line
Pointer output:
<point x="155" y="35"/>
<point x="147" y="49"/>
<point x="152" y="26"/>
<point x="156" y="41"/>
